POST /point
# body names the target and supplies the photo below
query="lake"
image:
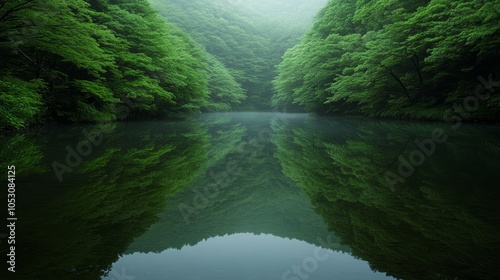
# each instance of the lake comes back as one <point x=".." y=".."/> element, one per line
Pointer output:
<point x="231" y="196"/>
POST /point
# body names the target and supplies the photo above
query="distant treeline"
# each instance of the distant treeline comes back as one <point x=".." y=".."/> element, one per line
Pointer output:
<point x="248" y="37"/>
<point x="433" y="59"/>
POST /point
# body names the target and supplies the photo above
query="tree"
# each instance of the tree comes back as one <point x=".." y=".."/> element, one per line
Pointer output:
<point x="98" y="61"/>
<point x="389" y="58"/>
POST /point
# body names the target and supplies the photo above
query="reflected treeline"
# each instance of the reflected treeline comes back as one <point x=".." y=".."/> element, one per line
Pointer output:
<point x="126" y="194"/>
<point x="76" y="229"/>
<point x="243" y="190"/>
<point x="22" y="151"/>
<point x="440" y="223"/>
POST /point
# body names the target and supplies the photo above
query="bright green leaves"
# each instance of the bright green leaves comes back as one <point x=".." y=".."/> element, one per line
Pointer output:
<point x="231" y="39"/>
<point x="392" y="58"/>
<point x="160" y="68"/>
<point x="96" y="89"/>
<point x="247" y="38"/>
<point x="225" y="92"/>
<point x="96" y="56"/>
<point x="451" y="29"/>
<point x="64" y="29"/>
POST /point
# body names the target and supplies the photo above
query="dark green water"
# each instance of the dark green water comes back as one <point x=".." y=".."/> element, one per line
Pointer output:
<point x="255" y="196"/>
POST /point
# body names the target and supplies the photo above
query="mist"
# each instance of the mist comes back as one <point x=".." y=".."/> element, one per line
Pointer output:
<point x="250" y="140"/>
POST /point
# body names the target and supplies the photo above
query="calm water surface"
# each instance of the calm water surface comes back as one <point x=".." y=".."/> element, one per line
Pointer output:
<point x="256" y="196"/>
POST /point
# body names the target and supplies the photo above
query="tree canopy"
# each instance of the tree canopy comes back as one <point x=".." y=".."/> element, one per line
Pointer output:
<point x="437" y="225"/>
<point x="248" y="37"/>
<point x="107" y="60"/>
<point x="391" y="58"/>
<point x="102" y="61"/>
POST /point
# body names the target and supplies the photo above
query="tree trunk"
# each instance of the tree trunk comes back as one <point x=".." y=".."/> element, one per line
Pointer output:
<point x="405" y="90"/>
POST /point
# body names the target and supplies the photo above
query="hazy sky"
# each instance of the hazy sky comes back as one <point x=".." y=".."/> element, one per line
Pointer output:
<point x="284" y="9"/>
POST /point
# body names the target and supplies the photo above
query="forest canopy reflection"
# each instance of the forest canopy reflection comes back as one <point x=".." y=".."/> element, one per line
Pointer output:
<point x="120" y="130"/>
<point x="108" y="201"/>
<point x="439" y="225"/>
<point x="316" y="179"/>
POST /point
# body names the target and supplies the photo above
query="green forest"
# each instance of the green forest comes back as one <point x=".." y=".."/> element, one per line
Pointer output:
<point x="397" y="59"/>
<point x="110" y="60"/>
<point x="248" y="39"/>
<point x="71" y="222"/>
<point x="101" y="61"/>
<point x="141" y="126"/>
<point x="439" y="225"/>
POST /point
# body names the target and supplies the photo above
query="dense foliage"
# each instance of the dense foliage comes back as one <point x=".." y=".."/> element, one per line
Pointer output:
<point x="77" y="229"/>
<point x="248" y="37"/>
<point x="393" y="58"/>
<point x="149" y="186"/>
<point x="251" y="196"/>
<point x="105" y="60"/>
<point x="437" y="225"/>
<point x="102" y="60"/>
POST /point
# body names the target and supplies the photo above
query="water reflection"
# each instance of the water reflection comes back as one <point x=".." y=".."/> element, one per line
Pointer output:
<point x="441" y="223"/>
<point x="279" y="187"/>
<point x="256" y="197"/>
<point x="245" y="256"/>
<point x="76" y="229"/>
